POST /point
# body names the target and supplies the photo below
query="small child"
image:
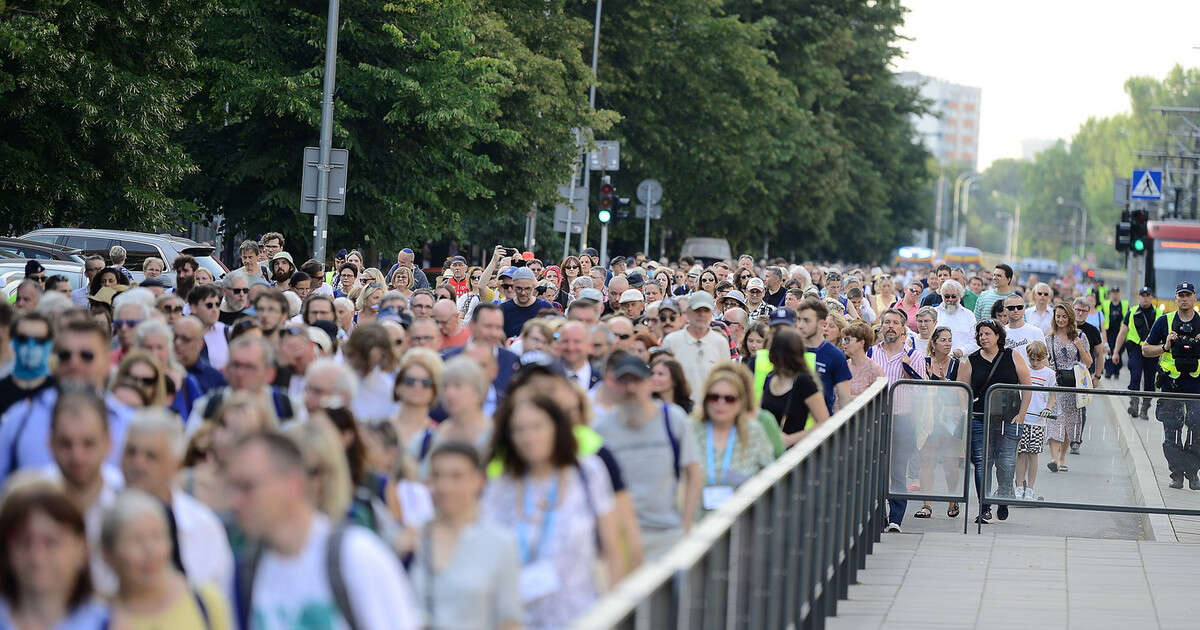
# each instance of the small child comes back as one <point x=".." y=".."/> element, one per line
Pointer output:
<point x="1033" y="432"/>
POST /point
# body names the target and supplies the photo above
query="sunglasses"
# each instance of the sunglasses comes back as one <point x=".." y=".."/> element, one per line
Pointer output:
<point x="38" y="278"/>
<point x="19" y="338"/>
<point x="846" y="339"/>
<point x="118" y="324"/>
<point x="1043" y="294"/>
<point x="1015" y="307"/>
<point x="571" y="267"/>
<point x="365" y="280"/>
<point x="951" y="296"/>
<point x="294" y="330"/>
<point x="413" y="381"/>
<point x="623" y="337"/>
<point x="913" y="290"/>
<point x="240" y="291"/>
<point x="148" y="381"/>
<point x="476" y="278"/>
<point x="506" y="287"/>
<point x="65" y="355"/>
<point x="171" y="310"/>
<point x="727" y="398"/>
<point x="666" y="320"/>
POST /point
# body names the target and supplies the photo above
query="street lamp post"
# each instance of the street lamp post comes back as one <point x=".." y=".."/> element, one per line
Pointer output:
<point x="966" y="208"/>
<point x="1081" y="237"/>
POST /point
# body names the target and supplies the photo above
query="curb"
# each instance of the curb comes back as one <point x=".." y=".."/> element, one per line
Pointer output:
<point x="1146" y="492"/>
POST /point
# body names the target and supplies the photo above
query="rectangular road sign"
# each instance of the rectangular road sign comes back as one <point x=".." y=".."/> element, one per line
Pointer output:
<point x="1146" y="184"/>
<point x="338" y="158"/>
<point x="606" y="156"/>
<point x="655" y="212"/>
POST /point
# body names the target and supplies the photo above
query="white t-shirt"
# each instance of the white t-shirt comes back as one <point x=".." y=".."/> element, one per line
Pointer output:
<point x="294" y="591"/>
<point x="1017" y="338"/>
<point x="218" y="347"/>
<point x="1043" y="377"/>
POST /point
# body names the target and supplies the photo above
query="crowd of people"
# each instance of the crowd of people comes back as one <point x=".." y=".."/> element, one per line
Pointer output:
<point x="489" y="447"/>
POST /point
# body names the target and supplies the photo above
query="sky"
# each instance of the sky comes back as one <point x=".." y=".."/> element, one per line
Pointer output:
<point x="1046" y="66"/>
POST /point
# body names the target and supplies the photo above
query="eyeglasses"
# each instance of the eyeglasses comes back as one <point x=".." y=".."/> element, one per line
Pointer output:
<point x="728" y="399"/>
<point x="240" y="291"/>
<point x="171" y="310"/>
<point x="148" y="381"/>
<point x="1042" y="294"/>
<point x="210" y="304"/>
<point x="65" y="355"/>
<point x="1014" y="307"/>
<point x="413" y="381"/>
<point x="118" y="324"/>
<point x="19" y="338"/>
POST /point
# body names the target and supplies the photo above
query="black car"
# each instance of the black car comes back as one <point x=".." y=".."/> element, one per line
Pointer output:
<point x="39" y="250"/>
<point x="138" y="246"/>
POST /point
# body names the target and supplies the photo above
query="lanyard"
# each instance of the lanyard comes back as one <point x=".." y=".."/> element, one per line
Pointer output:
<point x="547" y="522"/>
<point x="727" y="459"/>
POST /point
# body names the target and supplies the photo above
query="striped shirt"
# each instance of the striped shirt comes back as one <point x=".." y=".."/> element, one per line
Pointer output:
<point x="893" y="366"/>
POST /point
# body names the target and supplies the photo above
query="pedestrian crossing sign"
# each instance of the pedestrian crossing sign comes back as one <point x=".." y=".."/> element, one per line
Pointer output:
<point x="1146" y="185"/>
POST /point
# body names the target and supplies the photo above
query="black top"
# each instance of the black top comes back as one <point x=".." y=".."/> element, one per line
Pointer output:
<point x="981" y="368"/>
<point x="1114" y="314"/>
<point x="11" y="393"/>
<point x="789" y="409"/>
<point x="776" y="298"/>
<point x="229" y="317"/>
<point x="1143" y="319"/>
<point x="1093" y="338"/>
<point x="951" y="370"/>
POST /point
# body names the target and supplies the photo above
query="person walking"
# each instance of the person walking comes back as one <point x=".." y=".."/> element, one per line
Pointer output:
<point x="735" y="445"/>
<point x="1066" y="346"/>
<point x="941" y="435"/>
<point x="1033" y="432"/>
<point x="1174" y="342"/>
<point x="1002" y="277"/>
<point x="1142" y="369"/>
<point x="1113" y="315"/>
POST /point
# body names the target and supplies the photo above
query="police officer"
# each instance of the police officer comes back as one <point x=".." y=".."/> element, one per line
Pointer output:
<point x="1142" y="370"/>
<point x="1114" y="312"/>
<point x="1173" y="339"/>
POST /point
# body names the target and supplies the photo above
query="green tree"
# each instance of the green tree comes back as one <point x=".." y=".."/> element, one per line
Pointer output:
<point x="90" y="96"/>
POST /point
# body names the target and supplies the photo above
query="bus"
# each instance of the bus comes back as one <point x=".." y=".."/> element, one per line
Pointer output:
<point x="969" y="258"/>
<point x="914" y="257"/>
<point x="1173" y="256"/>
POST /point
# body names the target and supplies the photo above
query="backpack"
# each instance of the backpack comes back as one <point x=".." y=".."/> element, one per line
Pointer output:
<point x="908" y="369"/>
<point x="247" y="567"/>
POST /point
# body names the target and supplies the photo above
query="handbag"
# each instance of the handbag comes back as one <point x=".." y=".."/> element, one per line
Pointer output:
<point x="1063" y="378"/>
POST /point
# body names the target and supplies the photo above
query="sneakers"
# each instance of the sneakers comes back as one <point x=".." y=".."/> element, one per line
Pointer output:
<point x="893" y="528"/>
<point x="1029" y="496"/>
<point x="1002" y="512"/>
<point x="1074" y="449"/>
<point x="1193" y="482"/>
<point x="1176" y="480"/>
<point x="984" y="517"/>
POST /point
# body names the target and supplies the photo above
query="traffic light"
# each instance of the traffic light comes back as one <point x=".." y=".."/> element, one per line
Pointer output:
<point x="1123" y="232"/>
<point x="604" y="215"/>
<point x="622" y="208"/>
<point x="608" y="195"/>
<point x="1139" y="240"/>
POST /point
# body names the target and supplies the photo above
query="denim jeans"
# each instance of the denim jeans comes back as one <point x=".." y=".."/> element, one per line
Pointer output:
<point x="1002" y="454"/>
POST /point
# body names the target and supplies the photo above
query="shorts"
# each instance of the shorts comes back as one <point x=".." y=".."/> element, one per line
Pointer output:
<point x="1033" y="439"/>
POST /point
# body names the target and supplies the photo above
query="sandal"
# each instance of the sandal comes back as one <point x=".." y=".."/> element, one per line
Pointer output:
<point x="924" y="512"/>
<point x="1064" y="468"/>
<point x="952" y="511"/>
<point x="1053" y="466"/>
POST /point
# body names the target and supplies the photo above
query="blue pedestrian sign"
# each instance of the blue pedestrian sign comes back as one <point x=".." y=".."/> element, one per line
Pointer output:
<point x="1146" y="185"/>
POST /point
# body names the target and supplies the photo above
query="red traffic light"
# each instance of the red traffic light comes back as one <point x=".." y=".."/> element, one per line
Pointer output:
<point x="606" y="189"/>
<point x="1091" y="273"/>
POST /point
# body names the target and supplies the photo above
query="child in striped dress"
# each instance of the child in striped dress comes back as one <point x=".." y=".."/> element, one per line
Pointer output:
<point x="1033" y="431"/>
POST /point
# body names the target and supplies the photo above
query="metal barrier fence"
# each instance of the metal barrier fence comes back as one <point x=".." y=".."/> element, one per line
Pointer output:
<point x="782" y="550"/>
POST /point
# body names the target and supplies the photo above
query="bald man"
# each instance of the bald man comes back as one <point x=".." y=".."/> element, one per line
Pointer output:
<point x="189" y="349"/>
<point x="454" y="335"/>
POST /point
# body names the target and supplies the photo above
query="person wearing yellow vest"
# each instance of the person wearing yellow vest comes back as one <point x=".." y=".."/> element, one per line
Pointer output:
<point x="1174" y="340"/>
<point x="1142" y="370"/>
<point x="1114" y="312"/>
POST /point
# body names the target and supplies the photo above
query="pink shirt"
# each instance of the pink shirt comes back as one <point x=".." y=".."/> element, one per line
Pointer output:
<point x="893" y="366"/>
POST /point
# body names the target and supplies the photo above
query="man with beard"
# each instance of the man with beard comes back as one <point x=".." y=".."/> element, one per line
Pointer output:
<point x="899" y="361"/>
<point x="961" y="322"/>
<point x="91" y="266"/>
<point x="185" y="268"/>
<point x="831" y="362"/>
<point x="652" y="443"/>
<point x="236" y="291"/>
<point x="271" y="311"/>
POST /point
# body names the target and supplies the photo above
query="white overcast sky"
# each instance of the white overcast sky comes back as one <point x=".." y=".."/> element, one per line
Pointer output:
<point x="1046" y="66"/>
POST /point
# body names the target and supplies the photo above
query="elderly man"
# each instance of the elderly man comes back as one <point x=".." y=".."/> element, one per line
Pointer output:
<point x="487" y="330"/>
<point x="572" y="348"/>
<point x="329" y="383"/>
<point x="298" y="348"/>
<point x="424" y="333"/>
<point x="632" y="304"/>
<point x="251" y="369"/>
<point x="1042" y="314"/>
<point x="453" y="334"/>
<point x="622" y="330"/>
<point x="405" y="258"/>
<point x="129" y="309"/>
<point x="29" y="293"/>
<point x="961" y="321"/>
<point x="91" y="266"/>
<point x="236" y="292"/>
<point x="189" y="351"/>
<point x="150" y="461"/>
<point x="616" y="290"/>
<point x="81" y="348"/>
<point x="697" y="347"/>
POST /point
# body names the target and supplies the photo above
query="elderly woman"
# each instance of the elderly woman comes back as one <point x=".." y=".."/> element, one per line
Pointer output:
<point x="369" y="352"/>
<point x="137" y="542"/>
<point x="153" y="267"/>
<point x="241" y="414"/>
<point x="726" y="429"/>
<point x="343" y="308"/>
<point x="183" y="389"/>
<point x="464" y="388"/>
<point x="44" y="578"/>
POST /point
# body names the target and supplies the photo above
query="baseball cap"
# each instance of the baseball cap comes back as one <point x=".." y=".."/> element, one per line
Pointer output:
<point x="1145" y="291"/>
<point x="701" y="299"/>
<point x="522" y="273"/>
<point x="629" y="365"/>
<point x="617" y="260"/>
<point x="755" y="283"/>
<point x="508" y="272"/>
<point x="783" y="315"/>
<point x="591" y="295"/>
<point x="668" y="305"/>
<point x="631" y="295"/>
<point x="736" y="295"/>
<point x="32" y="267"/>
<point x="636" y="279"/>
<point x="341" y="253"/>
<point x="1185" y="287"/>
<point x="458" y="259"/>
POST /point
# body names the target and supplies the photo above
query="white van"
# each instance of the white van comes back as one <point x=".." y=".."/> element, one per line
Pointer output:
<point x="707" y="250"/>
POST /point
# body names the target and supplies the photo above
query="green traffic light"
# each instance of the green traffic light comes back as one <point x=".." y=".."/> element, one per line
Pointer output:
<point x="605" y="215"/>
<point x="1139" y="245"/>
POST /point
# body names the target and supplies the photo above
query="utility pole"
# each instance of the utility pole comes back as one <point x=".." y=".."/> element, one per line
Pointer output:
<point x="323" y="168"/>
<point x="587" y="167"/>
<point x="937" y="209"/>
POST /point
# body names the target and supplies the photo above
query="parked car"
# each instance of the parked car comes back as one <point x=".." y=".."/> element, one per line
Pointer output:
<point x="138" y="245"/>
<point x="12" y="272"/>
<point x="22" y="248"/>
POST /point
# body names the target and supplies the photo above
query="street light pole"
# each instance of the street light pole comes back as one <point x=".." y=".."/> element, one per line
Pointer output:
<point x="587" y="167"/>
<point x="966" y="208"/>
<point x="323" y="167"/>
<point x="957" y="200"/>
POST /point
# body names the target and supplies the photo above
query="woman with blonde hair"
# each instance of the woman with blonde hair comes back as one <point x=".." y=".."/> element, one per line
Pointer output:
<point x="735" y="445"/>
<point x="330" y="487"/>
<point x="403" y="282"/>
<point x="883" y="293"/>
<point x="366" y="304"/>
<point x="370" y="353"/>
<point x="141" y="366"/>
<point x="1065" y="346"/>
<point x="241" y="414"/>
<point x="416" y="392"/>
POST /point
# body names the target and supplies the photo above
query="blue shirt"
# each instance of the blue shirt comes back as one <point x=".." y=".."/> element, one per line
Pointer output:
<point x="833" y="368"/>
<point x="207" y="376"/>
<point x="516" y="316"/>
<point x="25" y="432"/>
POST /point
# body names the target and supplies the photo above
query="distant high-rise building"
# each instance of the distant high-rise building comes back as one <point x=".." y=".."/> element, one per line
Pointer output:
<point x="951" y="130"/>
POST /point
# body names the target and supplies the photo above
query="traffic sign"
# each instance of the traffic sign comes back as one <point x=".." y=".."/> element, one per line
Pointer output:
<point x="338" y="159"/>
<point x="1146" y="185"/>
<point x="655" y="212"/>
<point x="649" y="192"/>
<point x="606" y="156"/>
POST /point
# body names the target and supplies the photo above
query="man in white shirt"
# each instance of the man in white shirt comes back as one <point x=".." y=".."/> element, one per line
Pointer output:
<point x="307" y="568"/>
<point x="698" y="347"/>
<point x="1018" y="334"/>
<point x="150" y="461"/>
<point x="960" y="321"/>
<point x="1041" y="315"/>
